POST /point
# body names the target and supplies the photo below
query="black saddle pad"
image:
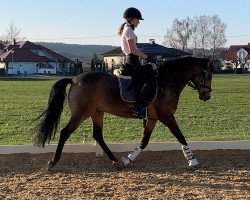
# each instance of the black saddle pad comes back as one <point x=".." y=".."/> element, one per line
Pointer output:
<point x="127" y="89"/>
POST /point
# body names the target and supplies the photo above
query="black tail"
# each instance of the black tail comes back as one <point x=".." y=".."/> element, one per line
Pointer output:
<point x="47" y="128"/>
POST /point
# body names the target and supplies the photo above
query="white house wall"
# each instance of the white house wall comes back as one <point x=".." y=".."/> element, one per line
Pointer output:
<point x="29" y="68"/>
<point x="22" y="68"/>
<point x="113" y="60"/>
<point x="2" y="65"/>
<point x="242" y="54"/>
<point x="47" y="71"/>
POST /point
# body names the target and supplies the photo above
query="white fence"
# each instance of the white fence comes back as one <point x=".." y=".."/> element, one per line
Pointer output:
<point x="95" y="148"/>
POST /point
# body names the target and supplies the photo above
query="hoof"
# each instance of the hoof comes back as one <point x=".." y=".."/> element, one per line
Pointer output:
<point x="118" y="165"/>
<point x="193" y="162"/>
<point x="51" y="164"/>
<point x="126" y="161"/>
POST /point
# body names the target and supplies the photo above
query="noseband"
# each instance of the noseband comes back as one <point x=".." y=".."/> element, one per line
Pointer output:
<point x="200" y="85"/>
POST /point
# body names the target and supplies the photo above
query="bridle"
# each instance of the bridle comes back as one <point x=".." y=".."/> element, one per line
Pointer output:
<point x="200" y="85"/>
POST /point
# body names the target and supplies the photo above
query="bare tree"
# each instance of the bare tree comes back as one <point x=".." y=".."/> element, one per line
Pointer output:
<point x="193" y="38"/>
<point x="203" y="32"/>
<point x="178" y="36"/>
<point x="200" y="33"/>
<point x="12" y="32"/>
<point x="217" y="36"/>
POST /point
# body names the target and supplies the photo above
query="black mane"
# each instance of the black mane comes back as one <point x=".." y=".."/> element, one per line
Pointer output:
<point x="172" y="71"/>
<point x="182" y="63"/>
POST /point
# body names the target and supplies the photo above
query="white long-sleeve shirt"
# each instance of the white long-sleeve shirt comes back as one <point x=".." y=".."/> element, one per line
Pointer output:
<point x="127" y="34"/>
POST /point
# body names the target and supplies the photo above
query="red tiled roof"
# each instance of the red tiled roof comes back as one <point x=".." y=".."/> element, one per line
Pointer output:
<point x="247" y="49"/>
<point x="26" y="47"/>
<point x="231" y="53"/>
<point x="23" y="55"/>
<point x="31" y="46"/>
<point x="55" y="55"/>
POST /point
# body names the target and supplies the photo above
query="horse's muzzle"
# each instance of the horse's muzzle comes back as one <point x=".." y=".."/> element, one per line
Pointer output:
<point x="204" y="97"/>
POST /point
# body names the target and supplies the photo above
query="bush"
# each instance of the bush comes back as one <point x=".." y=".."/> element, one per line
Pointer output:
<point x="238" y="71"/>
<point x="2" y="71"/>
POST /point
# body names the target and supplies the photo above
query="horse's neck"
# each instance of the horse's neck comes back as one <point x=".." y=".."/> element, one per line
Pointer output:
<point x="176" y="81"/>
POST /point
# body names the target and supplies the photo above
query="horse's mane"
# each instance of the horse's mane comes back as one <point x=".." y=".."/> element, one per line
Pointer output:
<point x="182" y="63"/>
<point x="173" y="70"/>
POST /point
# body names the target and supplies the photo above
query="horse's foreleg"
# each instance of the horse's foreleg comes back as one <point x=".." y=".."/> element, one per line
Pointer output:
<point x="97" y="120"/>
<point x="64" y="135"/>
<point x="170" y="122"/>
<point x="149" y="126"/>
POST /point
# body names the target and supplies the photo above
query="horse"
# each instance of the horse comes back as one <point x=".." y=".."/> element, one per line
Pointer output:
<point x="92" y="94"/>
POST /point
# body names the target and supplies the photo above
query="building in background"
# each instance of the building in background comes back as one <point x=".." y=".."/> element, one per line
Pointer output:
<point x="115" y="57"/>
<point x="26" y="58"/>
<point x="238" y="56"/>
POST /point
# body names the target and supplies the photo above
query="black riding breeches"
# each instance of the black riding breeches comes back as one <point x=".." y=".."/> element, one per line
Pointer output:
<point x="142" y="75"/>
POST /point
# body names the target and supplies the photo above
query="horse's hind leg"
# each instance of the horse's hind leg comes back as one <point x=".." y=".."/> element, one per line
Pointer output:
<point x="65" y="133"/>
<point x="97" y="120"/>
<point x="170" y="122"/>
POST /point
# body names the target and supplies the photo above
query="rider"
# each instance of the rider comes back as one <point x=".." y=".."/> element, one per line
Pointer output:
<point x="143" y="75"/>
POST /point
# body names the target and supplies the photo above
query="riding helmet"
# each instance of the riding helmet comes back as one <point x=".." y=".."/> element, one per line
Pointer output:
<point x="132" y="13"/>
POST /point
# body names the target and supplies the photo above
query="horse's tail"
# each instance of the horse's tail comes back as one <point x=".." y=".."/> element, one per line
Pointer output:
<point x="47" y="127"/>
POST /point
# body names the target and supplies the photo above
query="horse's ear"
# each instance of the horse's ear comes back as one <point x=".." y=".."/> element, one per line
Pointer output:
<point x="212" y="63"/>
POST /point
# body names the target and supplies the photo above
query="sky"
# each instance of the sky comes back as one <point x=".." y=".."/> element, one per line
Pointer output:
<point x="97" y="21"/>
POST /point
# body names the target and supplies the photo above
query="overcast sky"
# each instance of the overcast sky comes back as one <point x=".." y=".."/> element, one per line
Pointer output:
<point x="96" y="21"/>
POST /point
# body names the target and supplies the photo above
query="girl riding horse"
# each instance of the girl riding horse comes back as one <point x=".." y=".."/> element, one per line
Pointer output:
<point x="94" y="93"/>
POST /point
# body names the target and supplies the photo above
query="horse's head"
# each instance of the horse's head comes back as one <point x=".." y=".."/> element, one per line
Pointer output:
<point x="202" y="79"/>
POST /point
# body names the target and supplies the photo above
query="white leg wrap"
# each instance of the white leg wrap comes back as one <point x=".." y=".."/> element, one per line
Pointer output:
<point x="126" y="161"/>
<point x="132" y="156"/>
<point x="189" y="155"/>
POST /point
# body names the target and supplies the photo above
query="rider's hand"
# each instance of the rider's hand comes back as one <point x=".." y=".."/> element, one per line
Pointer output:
<point x="150" y="60"/>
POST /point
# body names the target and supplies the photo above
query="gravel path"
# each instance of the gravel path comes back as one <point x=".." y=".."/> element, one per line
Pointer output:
<point x="222" y="174"/>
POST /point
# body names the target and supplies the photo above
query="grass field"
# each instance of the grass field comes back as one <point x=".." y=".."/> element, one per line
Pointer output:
<point x="225" y="117"/>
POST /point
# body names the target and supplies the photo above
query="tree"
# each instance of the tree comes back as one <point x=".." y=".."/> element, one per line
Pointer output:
<point x="203" y="32"/>
<point x="78" y="69"/>
<point x="217" y="37"/>
<point x="179" y="34"/>
<point x="95" y="58"/>
<point x="12" y="32"/>
<point x="200" y="33"/>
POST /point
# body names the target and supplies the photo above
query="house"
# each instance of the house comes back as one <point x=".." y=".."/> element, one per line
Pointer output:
<point x="238" y="56"/>
<point x="116" y="56"/>
<point x="231" y="53"/>
<point x="26" y="57"/>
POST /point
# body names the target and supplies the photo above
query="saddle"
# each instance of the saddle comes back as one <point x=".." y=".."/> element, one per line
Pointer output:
<point x="127" y="89"/>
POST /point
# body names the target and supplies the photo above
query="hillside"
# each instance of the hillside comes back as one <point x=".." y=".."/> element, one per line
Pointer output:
<point x="84" y="52"/>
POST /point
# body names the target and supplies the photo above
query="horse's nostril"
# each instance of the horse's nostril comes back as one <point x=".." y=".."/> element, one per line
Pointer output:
<point x="204" y="97"/>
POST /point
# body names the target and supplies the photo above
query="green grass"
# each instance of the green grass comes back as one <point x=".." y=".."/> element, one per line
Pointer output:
<point x="224" y="117"/>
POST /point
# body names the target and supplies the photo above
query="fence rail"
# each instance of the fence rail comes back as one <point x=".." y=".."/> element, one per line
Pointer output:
<point x="95" y="148"/>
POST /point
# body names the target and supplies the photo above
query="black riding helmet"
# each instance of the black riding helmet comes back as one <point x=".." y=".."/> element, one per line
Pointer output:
<point x="132" y="13"/>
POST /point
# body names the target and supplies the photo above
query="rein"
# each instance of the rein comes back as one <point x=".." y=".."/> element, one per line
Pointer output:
<point x="168" y="68"/>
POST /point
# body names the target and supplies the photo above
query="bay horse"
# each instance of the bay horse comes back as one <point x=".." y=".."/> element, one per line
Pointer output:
<point x="94" y="93"/>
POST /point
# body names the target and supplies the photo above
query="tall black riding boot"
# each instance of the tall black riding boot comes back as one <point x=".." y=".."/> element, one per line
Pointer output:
<point x="140" y="108"/>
